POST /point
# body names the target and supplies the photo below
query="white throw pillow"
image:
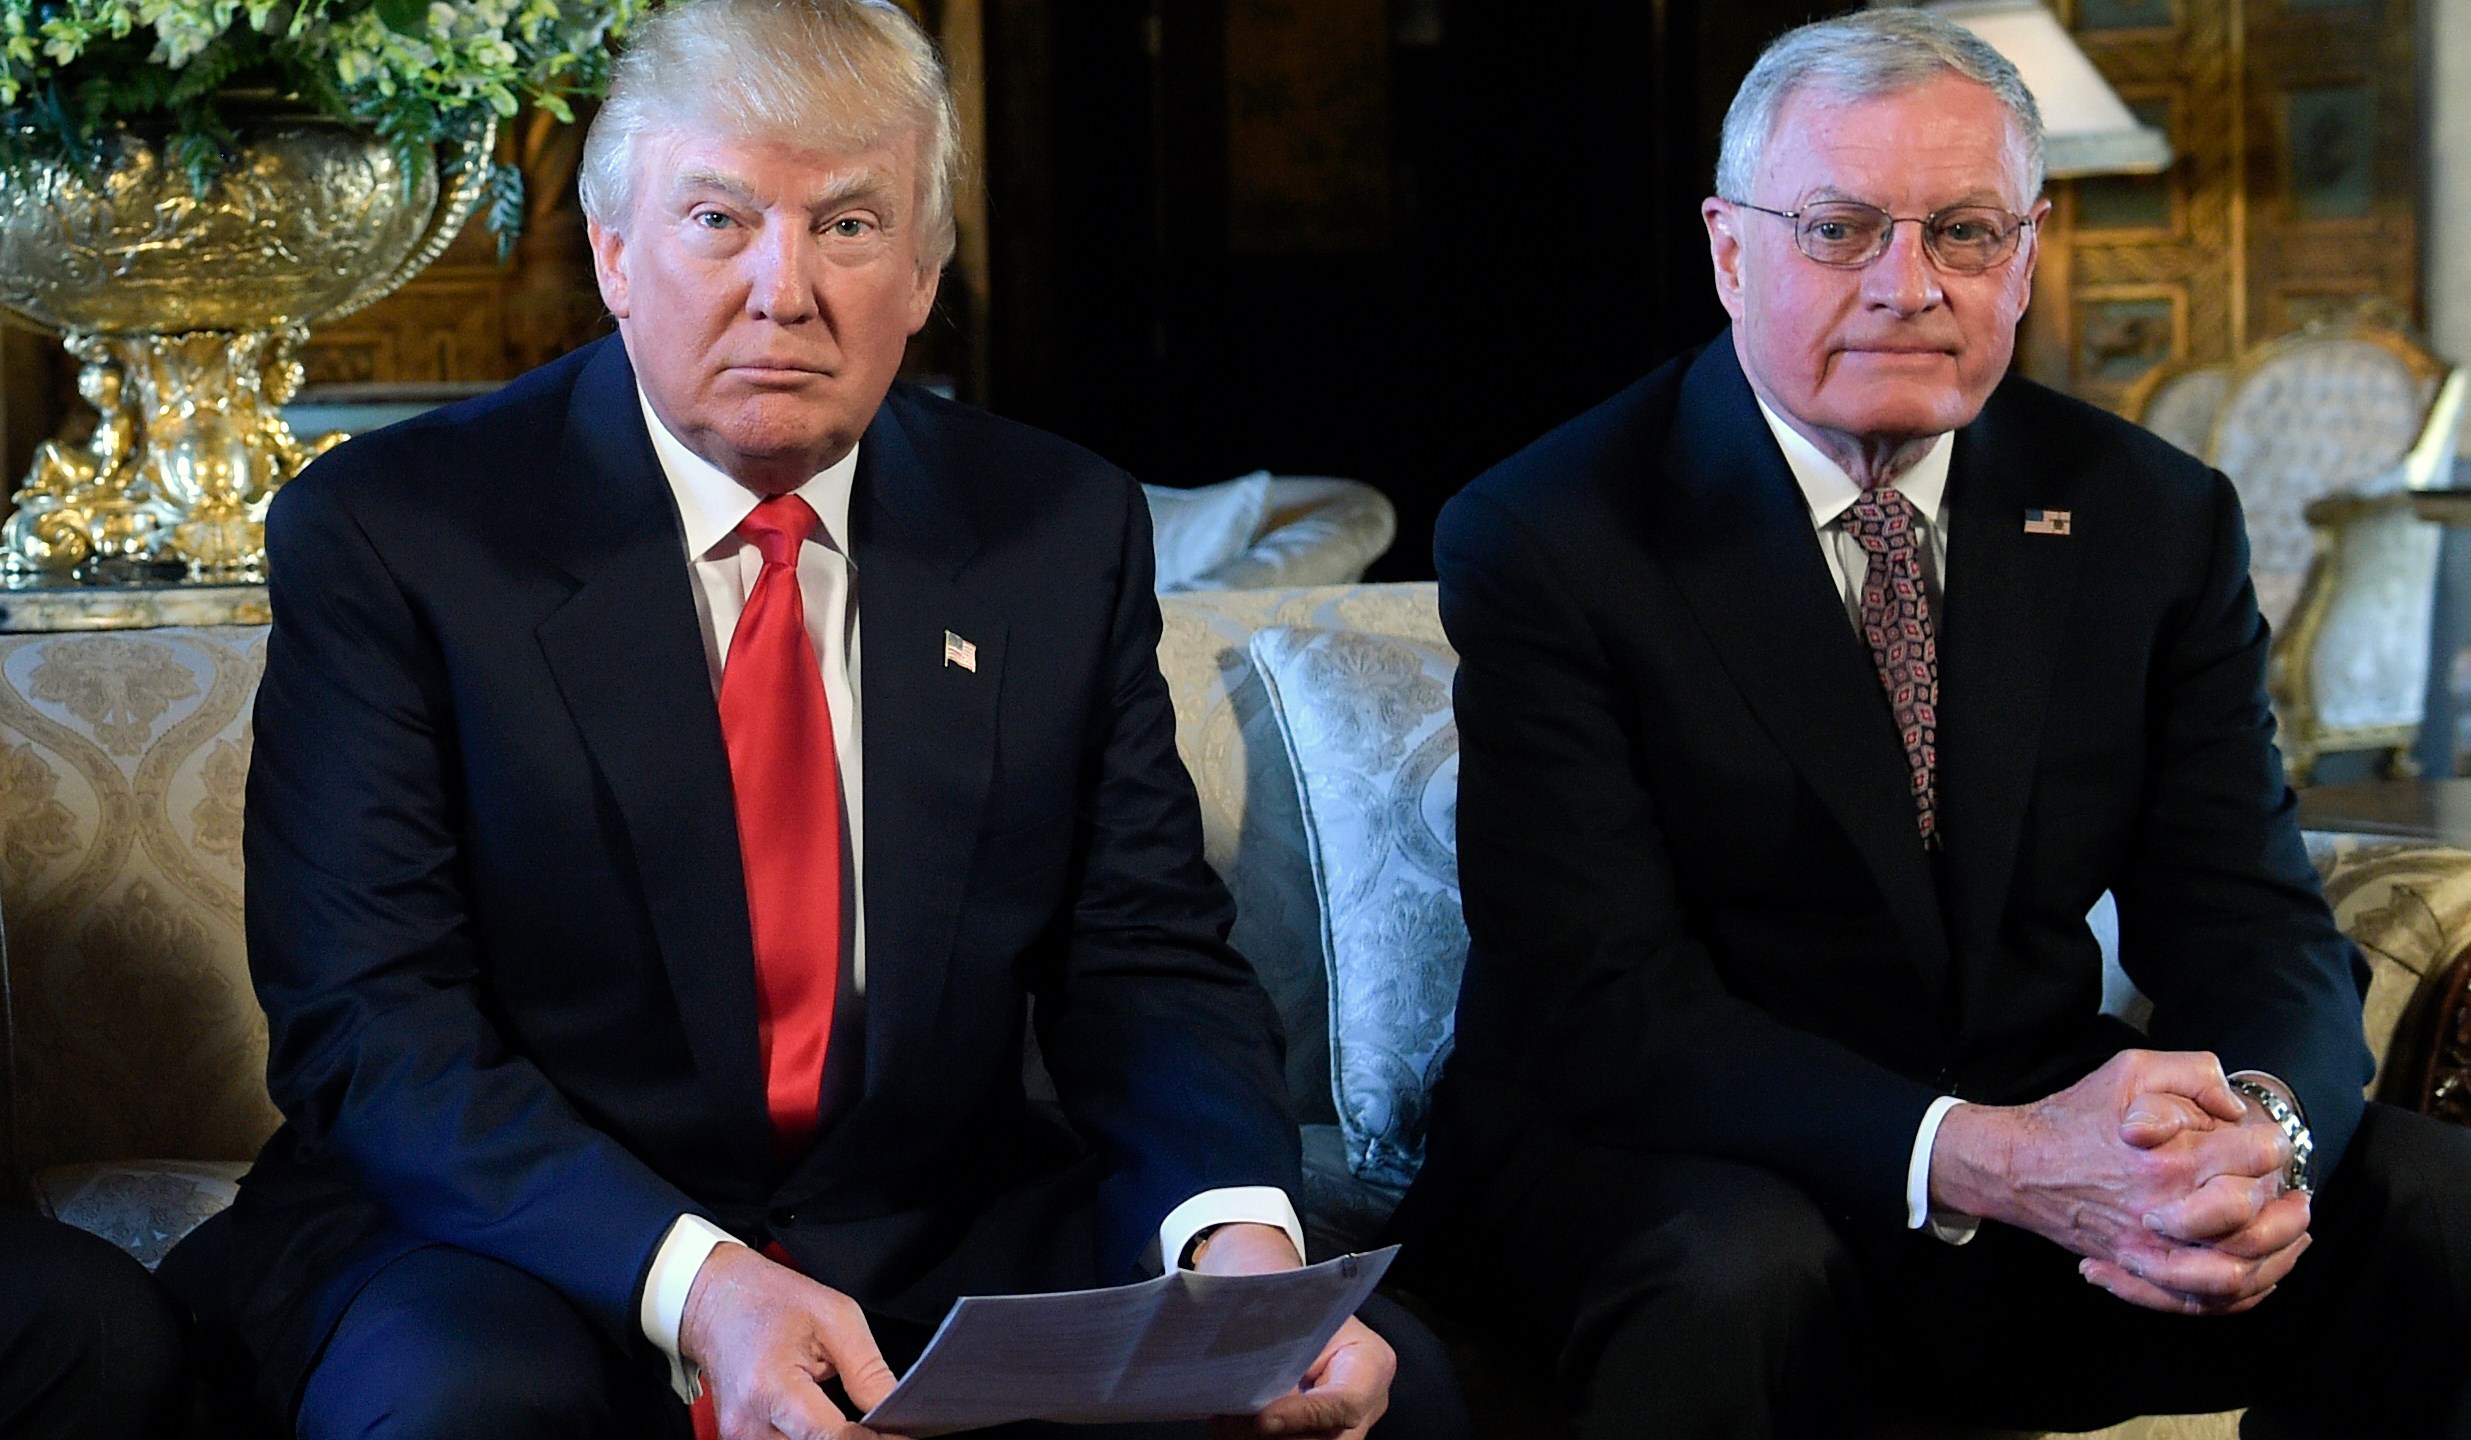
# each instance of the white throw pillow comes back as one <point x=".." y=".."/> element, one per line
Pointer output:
<point x="1368" y="724"/>
<point x="1198" y="530"/>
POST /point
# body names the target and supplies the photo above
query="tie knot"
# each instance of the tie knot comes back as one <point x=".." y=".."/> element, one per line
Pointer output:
<point x="778" y="526"/>
<point x="1882" y="520"/>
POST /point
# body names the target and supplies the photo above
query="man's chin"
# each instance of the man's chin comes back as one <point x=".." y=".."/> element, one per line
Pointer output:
<point x="1909" y="410"/>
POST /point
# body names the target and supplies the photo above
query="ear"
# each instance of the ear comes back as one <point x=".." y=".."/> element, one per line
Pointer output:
<point x="2040" y="215"/>
<point x="1724" y="252"/>
<point x="609" y="266"/>
<point x="922" y="297"/>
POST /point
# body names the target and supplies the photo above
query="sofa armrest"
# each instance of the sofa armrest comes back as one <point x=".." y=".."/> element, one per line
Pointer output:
<point x="2439" y="1072"/>
<point x="2408" y="908"/>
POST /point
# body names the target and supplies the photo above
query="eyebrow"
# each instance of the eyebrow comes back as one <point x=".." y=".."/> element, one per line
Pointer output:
<point x="857" y="185"/>
<point x="1829" y="194"/>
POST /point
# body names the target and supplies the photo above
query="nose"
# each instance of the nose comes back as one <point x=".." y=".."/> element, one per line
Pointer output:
<point x="780" y="287"/>
<point x="1903" y="279"/>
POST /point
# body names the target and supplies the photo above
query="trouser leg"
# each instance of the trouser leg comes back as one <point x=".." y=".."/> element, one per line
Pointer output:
<point x="90" y="1347"/>
<point x="1674" y="1296"/>
<point x="444" y="1344"/>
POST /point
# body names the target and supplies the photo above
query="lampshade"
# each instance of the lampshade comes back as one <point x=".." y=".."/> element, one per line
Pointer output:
<point x="2086" y="128"/>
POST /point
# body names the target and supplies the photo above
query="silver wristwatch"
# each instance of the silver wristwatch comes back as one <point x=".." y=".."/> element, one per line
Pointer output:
<point x="2302" y="1174"/>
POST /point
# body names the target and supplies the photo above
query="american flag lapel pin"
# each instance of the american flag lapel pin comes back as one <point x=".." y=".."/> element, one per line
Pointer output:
<point x="2047" y="522"/>
<point x="958" y="651"/>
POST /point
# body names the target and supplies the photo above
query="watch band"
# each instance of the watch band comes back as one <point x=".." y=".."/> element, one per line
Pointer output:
<point x="2302" y="1173"/>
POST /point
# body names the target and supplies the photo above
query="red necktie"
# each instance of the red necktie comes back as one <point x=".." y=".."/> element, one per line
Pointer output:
<point x="782" y="770"/>
<point x="1896" y="622"/>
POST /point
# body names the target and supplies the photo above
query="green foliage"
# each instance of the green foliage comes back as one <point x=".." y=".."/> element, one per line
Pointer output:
<point x="504" y="206"/>
<point x="416" y="72"/>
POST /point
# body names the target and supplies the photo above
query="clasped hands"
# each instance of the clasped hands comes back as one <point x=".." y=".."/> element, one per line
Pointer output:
<point x="2165" y="1179"/>
<point x="767" y="1338"/>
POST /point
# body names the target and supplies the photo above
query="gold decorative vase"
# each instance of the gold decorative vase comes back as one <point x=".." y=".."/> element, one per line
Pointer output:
<point x="186" y="314"/>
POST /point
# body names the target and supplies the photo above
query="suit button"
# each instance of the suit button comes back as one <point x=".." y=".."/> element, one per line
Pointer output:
<point x="784" y="1218"/>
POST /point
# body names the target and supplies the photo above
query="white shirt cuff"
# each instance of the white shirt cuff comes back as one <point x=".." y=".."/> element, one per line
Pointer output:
<point x="1230" y="1205"/>
<point x="675" y="1265"/>
<point x="1953" y="1228"/>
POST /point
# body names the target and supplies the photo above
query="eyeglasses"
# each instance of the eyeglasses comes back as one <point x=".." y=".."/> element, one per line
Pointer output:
<point x="1849" y="234"/>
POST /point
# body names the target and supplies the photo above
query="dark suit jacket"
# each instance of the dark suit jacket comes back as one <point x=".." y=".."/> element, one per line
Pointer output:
<point x="497" y="917"/>
<point x="1702" y="920"/>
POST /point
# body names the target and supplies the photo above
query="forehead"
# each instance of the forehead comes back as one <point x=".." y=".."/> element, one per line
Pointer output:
<point x="773" y="167"/>
<point x="1944" y="141"/>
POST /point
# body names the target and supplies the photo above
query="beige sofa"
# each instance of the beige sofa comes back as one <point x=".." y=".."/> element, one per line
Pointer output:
<point x="134" y="1052"/>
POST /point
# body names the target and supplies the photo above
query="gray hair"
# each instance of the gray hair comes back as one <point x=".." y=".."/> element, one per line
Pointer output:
<point x="1857" y="57"/>
<point x="842" y="74"/>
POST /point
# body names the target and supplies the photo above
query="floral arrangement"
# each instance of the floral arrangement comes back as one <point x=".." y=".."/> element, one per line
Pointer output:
<point x="72" y="72"/>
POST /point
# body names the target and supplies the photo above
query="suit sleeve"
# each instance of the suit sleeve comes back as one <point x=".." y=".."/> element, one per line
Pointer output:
<point x="1165" y="1050"/>
<point x="384" y="1057"/>
<point x="1583" y="975"/>
<point x="2222" y="921"/>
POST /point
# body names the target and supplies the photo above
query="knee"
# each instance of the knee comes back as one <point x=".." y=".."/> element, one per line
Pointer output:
<point x="2415" y="1171"/>
<point x="442" y="1392"/>
<point x="432" y="1356"/>
<point x="1766" y="1257"/>
<point x="93" y="1345"/>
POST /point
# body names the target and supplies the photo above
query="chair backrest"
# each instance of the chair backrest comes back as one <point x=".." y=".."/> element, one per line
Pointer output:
<point x="2332" y="409"/>
<point x="2179" y="402"/>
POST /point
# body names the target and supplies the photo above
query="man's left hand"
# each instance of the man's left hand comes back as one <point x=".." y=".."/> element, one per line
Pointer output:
<point x="2250" y="1219"/>
<point x="1348" y="1387"/>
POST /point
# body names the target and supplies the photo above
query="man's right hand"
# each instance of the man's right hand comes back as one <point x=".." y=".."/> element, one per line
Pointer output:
<point x="2142" y="1167"/>
<point x="767" y="1338"/>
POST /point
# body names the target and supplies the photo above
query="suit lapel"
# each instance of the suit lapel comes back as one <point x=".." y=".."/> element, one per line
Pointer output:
<point x="2001" y="626"/>
<point x="929" y="726"/>
<point x="628" y="657"/>
<point x="1737" y="538"/>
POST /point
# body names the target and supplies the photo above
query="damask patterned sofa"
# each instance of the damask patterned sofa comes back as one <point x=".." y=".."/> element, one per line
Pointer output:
<point x="131" y="1051"/>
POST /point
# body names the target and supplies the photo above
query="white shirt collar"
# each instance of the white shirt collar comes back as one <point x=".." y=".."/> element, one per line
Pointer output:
<point x="712" y="506"/>
<point x="1828" y="490"/>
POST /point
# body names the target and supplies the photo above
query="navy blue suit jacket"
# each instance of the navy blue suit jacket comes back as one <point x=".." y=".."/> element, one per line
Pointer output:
<point x="1701" y="918"/>
<point x="496" y="912"/>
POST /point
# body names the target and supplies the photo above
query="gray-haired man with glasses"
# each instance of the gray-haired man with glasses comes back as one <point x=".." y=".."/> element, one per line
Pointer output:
<point x="1812" y="692"/>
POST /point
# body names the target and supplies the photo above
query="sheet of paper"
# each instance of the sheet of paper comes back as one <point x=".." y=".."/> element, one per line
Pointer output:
<point x="1181" y="1347"/>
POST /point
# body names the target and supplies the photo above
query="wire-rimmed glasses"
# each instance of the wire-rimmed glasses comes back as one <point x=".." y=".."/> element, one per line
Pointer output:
<point x="1849" y="234"/>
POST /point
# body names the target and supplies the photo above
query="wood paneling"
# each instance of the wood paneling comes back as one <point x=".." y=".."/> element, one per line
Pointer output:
<point x="2292" y="197"/>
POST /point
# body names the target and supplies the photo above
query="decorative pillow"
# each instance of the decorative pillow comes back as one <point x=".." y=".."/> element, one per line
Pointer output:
<point x="1196" y="531"/>
<point x="145" y="1206"/>
<point x="1367" y="722"/>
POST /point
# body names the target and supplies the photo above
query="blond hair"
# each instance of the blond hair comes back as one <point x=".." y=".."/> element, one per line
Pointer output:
<point x="839" y="74"/>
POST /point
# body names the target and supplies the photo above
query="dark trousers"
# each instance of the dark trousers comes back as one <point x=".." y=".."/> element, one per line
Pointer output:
<point x="444" y="1343"/>
<point x="1680" y="1296"/>
<point x="90" y="1347"/>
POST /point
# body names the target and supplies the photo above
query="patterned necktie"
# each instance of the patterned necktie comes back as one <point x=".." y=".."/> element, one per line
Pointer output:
<point x="787" y="783"/>
<point x="1896" y="622"/>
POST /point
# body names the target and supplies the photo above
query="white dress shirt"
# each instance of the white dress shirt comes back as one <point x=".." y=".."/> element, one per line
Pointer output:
<point x="725" y="567"/>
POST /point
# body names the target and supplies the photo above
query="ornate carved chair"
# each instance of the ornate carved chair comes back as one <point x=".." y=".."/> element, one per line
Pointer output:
<point x="2325" y="433"/>
<point x="2179" y="401"/>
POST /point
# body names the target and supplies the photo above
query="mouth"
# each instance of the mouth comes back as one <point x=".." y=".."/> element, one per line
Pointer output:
<point x="778" y="372"/>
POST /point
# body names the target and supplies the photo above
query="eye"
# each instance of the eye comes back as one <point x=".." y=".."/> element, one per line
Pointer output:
<point x="849" y="227"/>
<point x="711" y="220"/>
<point x="1832" y="230"/>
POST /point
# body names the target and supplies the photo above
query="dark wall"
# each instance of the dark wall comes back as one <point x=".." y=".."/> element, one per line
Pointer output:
<point x="1536" y="247"/>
